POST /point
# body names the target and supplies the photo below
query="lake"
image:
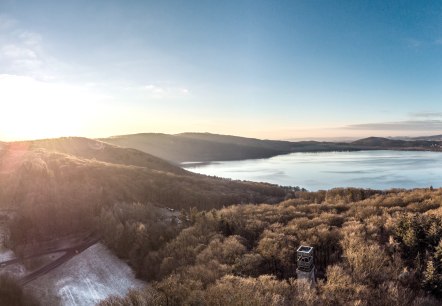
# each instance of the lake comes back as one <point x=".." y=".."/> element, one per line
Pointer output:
<point x="325" y="170"/>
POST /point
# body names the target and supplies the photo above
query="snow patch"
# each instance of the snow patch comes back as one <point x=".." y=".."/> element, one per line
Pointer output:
<point x="6" y="254"/>
<point x="86" y="279"/>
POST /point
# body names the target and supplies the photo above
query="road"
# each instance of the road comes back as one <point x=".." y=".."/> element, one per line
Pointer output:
<point x="69" y="253"/>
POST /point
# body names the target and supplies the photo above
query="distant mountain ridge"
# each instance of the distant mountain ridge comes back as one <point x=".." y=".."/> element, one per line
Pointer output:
<point x="409" y="138"/>
<point x="388" y="144"/>
<point x="206" y="147"/>
<point x="429" y="138"/>
<point x="203" y="147"/>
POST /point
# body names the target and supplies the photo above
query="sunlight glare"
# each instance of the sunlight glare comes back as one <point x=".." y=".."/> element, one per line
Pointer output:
<point x="34" y="109"/>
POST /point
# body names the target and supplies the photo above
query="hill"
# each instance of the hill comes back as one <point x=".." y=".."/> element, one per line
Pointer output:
<point x="429" y="138"/>
<point x="205" y="147"/>
<point x="368" y="244"/>
<point x="61" y="185"/>
<point x="391" y="144"/>
<point x="188" y="147"/>
<point x="85" y="148"/>
<point x="39" y="175"/>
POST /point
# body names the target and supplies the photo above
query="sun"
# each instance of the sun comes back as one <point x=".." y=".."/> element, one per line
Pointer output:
<point x="33" y="109"/>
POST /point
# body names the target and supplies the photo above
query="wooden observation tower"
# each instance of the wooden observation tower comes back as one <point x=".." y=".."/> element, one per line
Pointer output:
<point x="305" y="264"/>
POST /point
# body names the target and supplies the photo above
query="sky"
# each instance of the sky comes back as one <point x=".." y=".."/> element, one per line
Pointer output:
<point x="265" y="69"/>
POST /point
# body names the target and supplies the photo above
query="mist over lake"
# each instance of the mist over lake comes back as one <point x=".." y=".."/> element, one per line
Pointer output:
<point x="314" y="171"/>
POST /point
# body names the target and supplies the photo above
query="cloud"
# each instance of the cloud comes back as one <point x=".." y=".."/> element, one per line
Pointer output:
<point x="21" y="51"/>
<point x="14" y="52"/>
<point x="19" y="59"/>
<point x="414" y="43"/>
<point x="164" y="92"/>
<point x="410" y="125"/>
<point x="427" y="115"/>
<point x="31" y="39"/>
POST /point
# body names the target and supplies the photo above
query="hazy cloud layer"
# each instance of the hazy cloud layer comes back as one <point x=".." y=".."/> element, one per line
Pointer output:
<point x="21" y="51"/>
<point x="410" y="125"/>
<point x="427" y="115"/>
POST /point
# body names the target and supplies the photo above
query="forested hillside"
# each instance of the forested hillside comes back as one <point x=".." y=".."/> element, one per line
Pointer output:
<point x="85" y="148"/>
<point x="411" y="144"/>
<point x="211" y="147"/>
<point x="61" y="185"/>
<point x="429" y="138"/>
<point x="204" y="147"/>
<point x="372" y="248"/>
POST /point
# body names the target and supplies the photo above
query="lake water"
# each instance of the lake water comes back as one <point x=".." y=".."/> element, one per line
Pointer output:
<point x="314" y="171"/>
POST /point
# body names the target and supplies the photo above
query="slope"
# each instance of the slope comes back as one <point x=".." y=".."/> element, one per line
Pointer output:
<point x="57" y="193"/>
<point x="211" y="147"/>
<point x="32" y="174"/>
<point x="93" y="149"/>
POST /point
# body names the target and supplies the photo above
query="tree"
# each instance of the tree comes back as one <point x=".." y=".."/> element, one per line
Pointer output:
<point x="432" y="280"/>
<point x="12" y="294"/>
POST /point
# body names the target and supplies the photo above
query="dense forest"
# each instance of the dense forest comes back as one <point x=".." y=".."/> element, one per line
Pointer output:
<point x="201" y="240"/>
<point x="372" y="248"/>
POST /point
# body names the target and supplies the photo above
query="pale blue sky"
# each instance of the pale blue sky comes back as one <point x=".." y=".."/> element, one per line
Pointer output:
<point x="267" y="69"/>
